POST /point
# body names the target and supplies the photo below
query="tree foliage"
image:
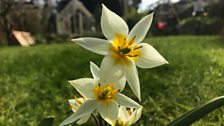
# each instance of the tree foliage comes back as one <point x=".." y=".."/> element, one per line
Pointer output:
<point x="5" y="25"/>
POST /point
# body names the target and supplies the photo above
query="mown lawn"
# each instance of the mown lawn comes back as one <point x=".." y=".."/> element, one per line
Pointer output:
<point x="33" y="81"/>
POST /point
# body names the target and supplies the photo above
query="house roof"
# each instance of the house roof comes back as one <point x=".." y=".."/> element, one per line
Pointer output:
<point x="73" y="5"/>
<point x="62" y="4"/>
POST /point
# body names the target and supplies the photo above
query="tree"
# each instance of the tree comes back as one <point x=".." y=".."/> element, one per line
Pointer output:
<point x="5" y="25"/>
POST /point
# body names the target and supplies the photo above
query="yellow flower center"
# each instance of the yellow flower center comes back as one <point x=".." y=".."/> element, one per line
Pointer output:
<point x="104" y="93"/>
<point x="125" y="50"/>
<point x="120" y="123"/>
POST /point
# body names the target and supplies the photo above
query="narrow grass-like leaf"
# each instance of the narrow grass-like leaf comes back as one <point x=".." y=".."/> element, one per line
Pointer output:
<point x="197" y="113"/>
<point x="48" y="121"/>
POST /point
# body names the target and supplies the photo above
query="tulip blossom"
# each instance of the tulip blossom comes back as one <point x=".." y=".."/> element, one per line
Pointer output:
<point x="127" y="117"/>
<point x="102" y="97"/>
<point x="75" y="104"/>
<point x="123" y="50"/>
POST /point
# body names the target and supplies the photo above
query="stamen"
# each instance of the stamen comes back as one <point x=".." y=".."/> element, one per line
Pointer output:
<point x="116" y="91"/>
<point x="78" y="102"/>
<point x="72" y="107"/>
<point x="137" y="47"/>
<point x="124" y="43"/>
<point x="132" y="55"/>
<point x="132" y="41"/>
<point x="129" y="112"/>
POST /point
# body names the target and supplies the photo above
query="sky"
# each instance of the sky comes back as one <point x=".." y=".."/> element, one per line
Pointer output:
<point x="145" y="3"/>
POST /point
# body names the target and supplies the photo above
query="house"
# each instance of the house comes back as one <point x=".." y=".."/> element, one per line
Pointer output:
<point x="74" y="19"/>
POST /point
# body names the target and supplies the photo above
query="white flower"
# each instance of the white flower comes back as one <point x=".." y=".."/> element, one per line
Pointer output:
<point x="103" y="97"/>
<point x="75" y="104"/>
<point x="123" y="49"/>
<point x="127" y="117"/>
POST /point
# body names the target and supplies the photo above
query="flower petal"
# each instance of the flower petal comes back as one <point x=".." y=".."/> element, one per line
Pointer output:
<point x="120" y="84"/>
<point x="123" y="114"/>
<point x="72" y="102"/>
<point x="131" y="75"/>
<point x="112" y="24"/>
<point x="69" y="120"/>
<point x="135" y="116"/>
<point x="99" y="46"/>
<point x="83" y="119"/>
<point x="109" y="112"/>
<point x="84" y="86"/>
<point x="141" y="28"/>
<point x="109" y="71"/>
<point x="149" y="57"/>
<point x="75" y="102"/>
<point x="126" y="101"/>
<point x="86" y="108"/>
<point x="95" y="70"/>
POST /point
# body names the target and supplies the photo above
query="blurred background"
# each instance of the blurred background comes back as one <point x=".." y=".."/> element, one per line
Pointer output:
<point x="37" y="58"/>
<point x="48" y="21"/>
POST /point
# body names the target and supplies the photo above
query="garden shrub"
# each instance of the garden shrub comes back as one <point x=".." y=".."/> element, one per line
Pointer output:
<point x="201" y="25"/>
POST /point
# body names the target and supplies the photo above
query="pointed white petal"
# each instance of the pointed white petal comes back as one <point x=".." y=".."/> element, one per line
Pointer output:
<point x="120" y="84"/>
<point x="131" y="75"/>
<point x="84" y="86"/>
<point x="86" y="108"/>
<point x="149" y="57"/>
<point x="109" y="71"/>
<point x="72" y="102"/>
<point x="69" y="120"/>
<point x="99" y="46"/>
<point x="109" y="112"/>
<point x="112" y="24"/>
<point x="95" y="70"/>
<point x="123" y="114"/>
<point x="141" y="28"/>
<point x="83" y="119"/>
<point x="126" y="101"/>
<point x="135" y="116"/>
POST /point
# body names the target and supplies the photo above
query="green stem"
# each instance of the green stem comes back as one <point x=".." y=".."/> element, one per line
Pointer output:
<point x="100" y="120"/>
<point x="95" y="119"/>
<point x="197" y="113"/>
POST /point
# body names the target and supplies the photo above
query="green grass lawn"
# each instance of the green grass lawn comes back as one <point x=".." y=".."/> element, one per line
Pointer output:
<point x="33" y="81"/>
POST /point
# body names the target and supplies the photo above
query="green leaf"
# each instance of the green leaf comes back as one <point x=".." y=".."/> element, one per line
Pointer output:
<point x="48" y="121"/>
<point x="197" y="113"/>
